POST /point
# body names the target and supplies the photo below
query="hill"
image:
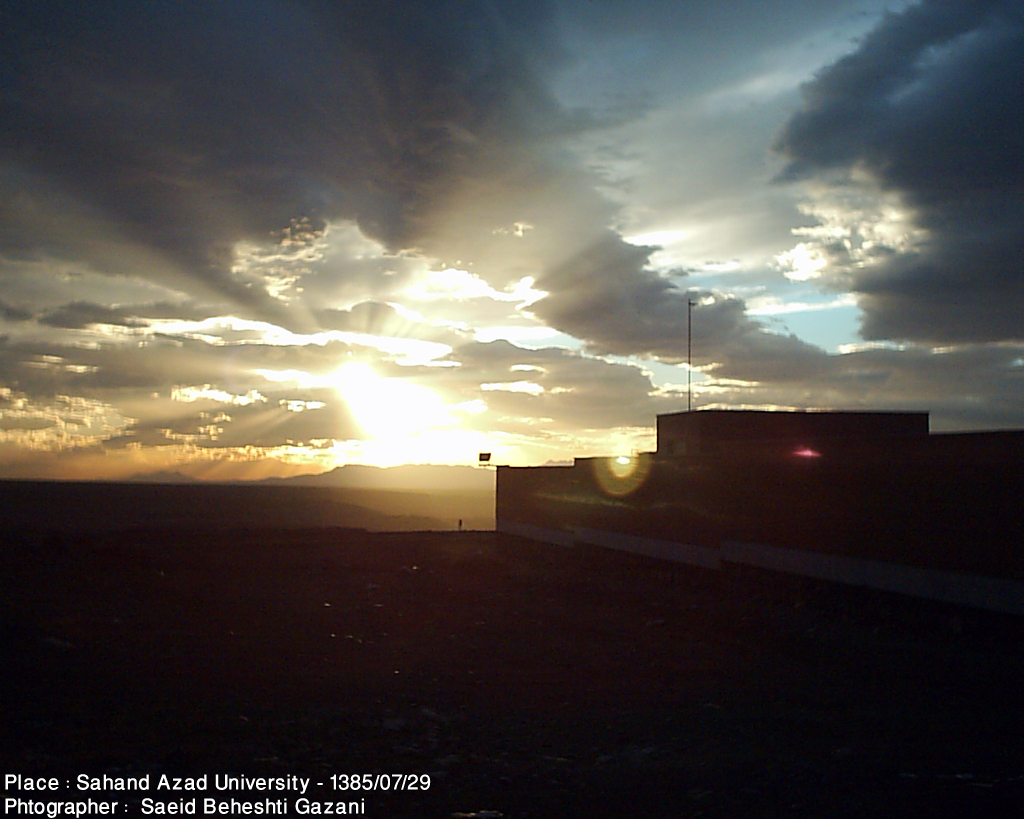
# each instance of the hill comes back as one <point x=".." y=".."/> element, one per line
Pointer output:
<point x="416" y="477"/>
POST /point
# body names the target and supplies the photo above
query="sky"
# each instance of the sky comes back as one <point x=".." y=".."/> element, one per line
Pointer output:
<point x="264" y="238"/>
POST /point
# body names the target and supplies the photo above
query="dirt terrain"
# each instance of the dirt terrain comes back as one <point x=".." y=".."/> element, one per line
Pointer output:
<point x="527" y="680"/>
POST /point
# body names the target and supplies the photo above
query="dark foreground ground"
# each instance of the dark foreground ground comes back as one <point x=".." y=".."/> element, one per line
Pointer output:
<point x="526" y="680"/>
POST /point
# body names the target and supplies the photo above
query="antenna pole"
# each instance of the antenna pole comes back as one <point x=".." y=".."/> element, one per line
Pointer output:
<point x="689" y="354"/>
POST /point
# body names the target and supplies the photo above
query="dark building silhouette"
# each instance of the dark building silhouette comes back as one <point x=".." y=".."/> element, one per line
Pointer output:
<point x="717" y="431"/>
<point x="869" y="498"/>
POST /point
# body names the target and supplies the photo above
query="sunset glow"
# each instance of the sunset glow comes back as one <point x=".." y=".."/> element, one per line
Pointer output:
<point x="528" y="228"/>
<point x="389" y="407"/>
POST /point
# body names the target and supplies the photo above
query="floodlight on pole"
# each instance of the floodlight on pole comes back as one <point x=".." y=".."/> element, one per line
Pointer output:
<point x="689" y="354"/>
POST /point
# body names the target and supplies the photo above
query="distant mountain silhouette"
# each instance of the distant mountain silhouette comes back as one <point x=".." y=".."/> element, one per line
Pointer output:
<point x="412" y="477"/>
<point x="161" y="477"/>
<point x="369" y="497"/>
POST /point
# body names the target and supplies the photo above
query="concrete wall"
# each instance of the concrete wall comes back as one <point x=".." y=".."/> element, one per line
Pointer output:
<point x="942" y="526"/>
<point x="992" y="594"/>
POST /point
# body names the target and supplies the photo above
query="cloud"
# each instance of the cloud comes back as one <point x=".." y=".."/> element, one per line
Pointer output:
<point x="211" y="148"/>
<point x="375" y="318"/>
<point x="914" y="148"/>
<point x="966" y="387"/>
<point x="10" y="313"/>
<point x="82" y="314"/>
<point x="153" y="363"/>
<point x="151" y="140"/>
<point x="552" y="389"/>
<point x="282" y="418"/>
<point x="208" y="211"/>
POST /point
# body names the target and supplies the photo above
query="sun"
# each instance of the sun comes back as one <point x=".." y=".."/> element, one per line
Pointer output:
<point x="389" y="407"/>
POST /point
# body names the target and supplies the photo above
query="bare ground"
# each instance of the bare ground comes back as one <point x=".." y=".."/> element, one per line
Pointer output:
<point x="526" y="680"/>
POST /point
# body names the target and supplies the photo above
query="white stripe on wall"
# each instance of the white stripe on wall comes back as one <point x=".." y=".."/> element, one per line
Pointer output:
<point x="707" y="557"/>
<point x="993" y="593"/>
<point x="542" y="534"/>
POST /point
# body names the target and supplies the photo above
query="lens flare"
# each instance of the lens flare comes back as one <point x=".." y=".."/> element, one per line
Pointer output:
<point x="622" y="475"/>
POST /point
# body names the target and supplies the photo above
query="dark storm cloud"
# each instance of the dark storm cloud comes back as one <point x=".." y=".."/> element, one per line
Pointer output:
<point x="82" y="314"/>
<point x="603" y="294"/>
<point x="572" y="391"/>
<point x="149" y="139"/>
<point x="970" y="387"/>
<point x="648" y="316"/>
<point x="10" y="313"/>
<point x="44" y="369"/>
<point x="179" y="129"/>
<point x="931" y="108"/>
<point x="41" y="369"/>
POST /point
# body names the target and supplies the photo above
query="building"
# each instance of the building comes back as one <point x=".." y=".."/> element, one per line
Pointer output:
<point x="718" y="431"/>
<point x="859" y="497"/>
